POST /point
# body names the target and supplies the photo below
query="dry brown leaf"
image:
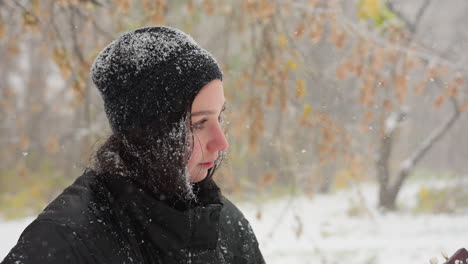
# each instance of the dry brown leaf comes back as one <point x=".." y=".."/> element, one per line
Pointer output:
<point x="313" y="3"/>
<point x="269" y="98"/>
<point x="259" y="214"/>
<point x="401" y="87"/>
<point x="282" y="41"/>
<point x="2" y="28"/>
<point x="392" y="56"/>
<point x="123" y="6"/>
<point x="63" y="3"/>
<point x="6" y="105"/>
<point x="411" y="62"/>
<point x="306" y="112"/>
<point x="451" y="91"/>
<point x="359" y="69"/>
<point x="257" y="124"/>
<point x="209" y="7"/>
<point x="259" y="83"/>
<point x="30" y="22"/>
<point x="13" y="47"/>
<point x="378" y="59"/>
<point x="78" y="89"/>
<point x="23" y="172"/>
<point x="60" y="58"/>
<point x="316" y="32"/>
<point x="268" y="178"/>
<point x="463" y="107"/>
<point x="299" y="229"/>
<point x="52" y="145"/>
<point x="431" y="72"/>
<point x="227" y="9"/>
<point x="24" y="142"/>
<point x="157" y="18"/>
<point x="388" y="105"/>
<point x="240" y="84"/>
<point x="299" y="32"/>
<point x="291" y="65"/>
<point x="367" y="92"/>
<point x="19" y="123"/>
<point x="341" y="40"/>
<point x="400" y="82"/>
<point x="362" y="48"/>
<point x="190" y="6"/>
<point x="368" y="116"/>
<point x="300" y="89"/>
<point x="36" y="108"/>
<point x="458" y="80"/>
<point x="439" y="101"/>
<point x="420" y="87"/>
<point x="341" y="70"/>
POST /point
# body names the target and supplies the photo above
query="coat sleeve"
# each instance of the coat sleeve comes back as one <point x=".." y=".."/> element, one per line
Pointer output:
<point x="45" y="241"/>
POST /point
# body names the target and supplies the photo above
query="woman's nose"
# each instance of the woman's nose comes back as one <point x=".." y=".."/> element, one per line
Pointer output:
<point x="218" y="140"/>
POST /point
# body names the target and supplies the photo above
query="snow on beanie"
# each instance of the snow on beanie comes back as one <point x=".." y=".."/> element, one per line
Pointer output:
<point x="149" y="74"/>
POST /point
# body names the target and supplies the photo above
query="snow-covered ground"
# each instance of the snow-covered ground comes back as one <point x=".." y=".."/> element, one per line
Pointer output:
<point x="319" y="230"/>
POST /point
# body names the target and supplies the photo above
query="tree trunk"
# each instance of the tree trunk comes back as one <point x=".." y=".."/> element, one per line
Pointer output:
<point x="388" y="192"/>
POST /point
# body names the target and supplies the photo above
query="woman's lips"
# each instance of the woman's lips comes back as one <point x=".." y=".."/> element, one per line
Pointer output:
<point x="207" y="165"/>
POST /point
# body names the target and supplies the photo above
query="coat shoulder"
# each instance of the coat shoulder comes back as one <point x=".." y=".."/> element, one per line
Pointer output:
<point x="230" y="209"/>
<point x="78" y="204"/>
<point x="76" y="227"/>
<point x="233" y="220"/>
<point x="46" y="241"/>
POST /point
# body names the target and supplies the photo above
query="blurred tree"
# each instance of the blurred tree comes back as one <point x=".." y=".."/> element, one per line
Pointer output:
<point x="313" y="86"/>
<point x="394" y="78"/>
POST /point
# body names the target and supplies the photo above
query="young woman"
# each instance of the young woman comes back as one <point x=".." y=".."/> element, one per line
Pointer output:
<point x="149" y="196"/>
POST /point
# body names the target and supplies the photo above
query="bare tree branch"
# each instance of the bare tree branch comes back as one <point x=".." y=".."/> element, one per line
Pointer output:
<point x="406" y="21"/>
<point x="412" y="26"/>
<point x="435" y="136"/>
<point x="36" y="18"/>
<point x="108" y="35"/>
<point x="75" y="43"/>
<point x="420" y="14"/>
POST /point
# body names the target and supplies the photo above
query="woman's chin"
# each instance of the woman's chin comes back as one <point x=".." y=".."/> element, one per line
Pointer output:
<point x="199" y="176"/>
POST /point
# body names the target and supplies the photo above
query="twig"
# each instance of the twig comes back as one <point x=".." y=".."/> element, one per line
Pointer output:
<point x="108" y="35"/>
<point x="27" y="11"/>
<point x="411" y="25"/>
<point x="274" y="227"/>
<point x="435" y="136"/>
<point x="75" y="43"/>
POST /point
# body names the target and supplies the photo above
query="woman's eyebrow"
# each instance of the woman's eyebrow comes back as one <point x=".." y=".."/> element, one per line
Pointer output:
<point x="208" y="112"/>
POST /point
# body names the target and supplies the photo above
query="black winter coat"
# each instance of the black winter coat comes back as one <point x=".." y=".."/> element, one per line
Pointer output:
<point x="112" y="220"/>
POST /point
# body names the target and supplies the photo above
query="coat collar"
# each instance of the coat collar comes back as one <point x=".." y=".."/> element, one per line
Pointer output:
<point x="158" y="222"/>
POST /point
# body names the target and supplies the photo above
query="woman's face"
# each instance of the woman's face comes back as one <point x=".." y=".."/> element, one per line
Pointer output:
<point x="208" y="135"/>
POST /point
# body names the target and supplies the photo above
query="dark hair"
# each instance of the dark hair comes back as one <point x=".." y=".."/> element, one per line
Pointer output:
<point x="156" y="157"/>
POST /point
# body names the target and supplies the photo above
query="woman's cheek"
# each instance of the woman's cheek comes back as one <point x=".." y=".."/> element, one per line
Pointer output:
<point x="195" y="155"/>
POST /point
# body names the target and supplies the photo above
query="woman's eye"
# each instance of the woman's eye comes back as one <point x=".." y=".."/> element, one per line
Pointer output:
<point x="199" y="124"/>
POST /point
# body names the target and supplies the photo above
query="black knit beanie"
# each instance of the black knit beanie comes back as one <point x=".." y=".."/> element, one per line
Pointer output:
<point x="147" y="74"/>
